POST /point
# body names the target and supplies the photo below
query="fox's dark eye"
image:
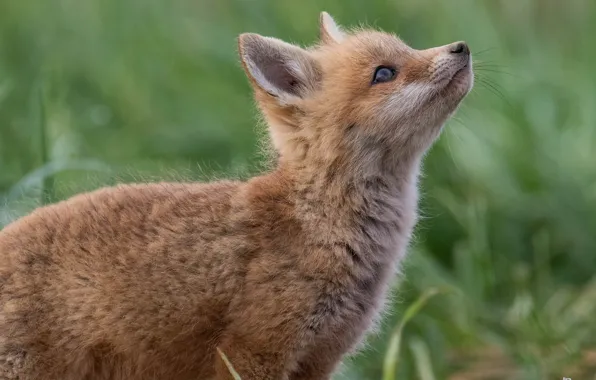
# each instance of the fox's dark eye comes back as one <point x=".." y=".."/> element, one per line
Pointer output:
<point x="383" y="74"/>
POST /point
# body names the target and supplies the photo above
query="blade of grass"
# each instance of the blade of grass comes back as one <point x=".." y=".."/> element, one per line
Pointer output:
<point x="422" y="359"/>
<point x="235" y="374"/>
<point x="390" y="364"/>
<point x="52" y="168"/>
<point x="47" y="188"/>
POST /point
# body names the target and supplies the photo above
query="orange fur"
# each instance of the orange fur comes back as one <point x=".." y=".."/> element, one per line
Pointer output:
<point x="285" y="272"/>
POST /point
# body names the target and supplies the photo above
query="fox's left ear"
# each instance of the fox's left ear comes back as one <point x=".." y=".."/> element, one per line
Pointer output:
<point x="330" y="32"/>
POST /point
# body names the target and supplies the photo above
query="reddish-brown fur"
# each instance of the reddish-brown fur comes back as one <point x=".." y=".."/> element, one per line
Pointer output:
<point x="284" y="273"/>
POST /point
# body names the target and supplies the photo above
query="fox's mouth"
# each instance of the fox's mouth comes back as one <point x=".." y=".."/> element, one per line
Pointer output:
<point x="464" y="70"/>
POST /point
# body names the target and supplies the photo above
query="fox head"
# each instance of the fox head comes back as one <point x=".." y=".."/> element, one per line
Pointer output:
<point x="361" y="94"/>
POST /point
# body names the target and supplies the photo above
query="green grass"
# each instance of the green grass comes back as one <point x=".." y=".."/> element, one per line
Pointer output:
<point x="93" y="92"/>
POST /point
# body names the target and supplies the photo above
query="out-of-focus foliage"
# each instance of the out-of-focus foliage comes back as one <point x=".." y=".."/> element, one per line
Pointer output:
<point x="98" y="91"/>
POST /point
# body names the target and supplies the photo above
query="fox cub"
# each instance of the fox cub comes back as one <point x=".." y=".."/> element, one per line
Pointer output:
<point x="284" y="273"/>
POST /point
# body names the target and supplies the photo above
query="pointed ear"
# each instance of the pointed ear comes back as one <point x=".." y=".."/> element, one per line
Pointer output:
<point x="284" y="71"/>
<point x="330" y="32"/>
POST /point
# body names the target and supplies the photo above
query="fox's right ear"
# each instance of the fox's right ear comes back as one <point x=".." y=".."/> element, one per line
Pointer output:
<point x="284" y="71"/>
<point x="330" y="32"/>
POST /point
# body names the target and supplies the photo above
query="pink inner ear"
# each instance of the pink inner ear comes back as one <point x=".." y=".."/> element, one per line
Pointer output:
<point x="276" y="71"/>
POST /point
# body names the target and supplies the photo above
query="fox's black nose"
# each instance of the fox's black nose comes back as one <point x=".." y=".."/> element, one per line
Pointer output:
<point x="459" y="48"/>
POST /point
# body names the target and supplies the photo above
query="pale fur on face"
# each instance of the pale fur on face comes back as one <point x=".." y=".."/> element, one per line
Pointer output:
<point x="424" y="106"/>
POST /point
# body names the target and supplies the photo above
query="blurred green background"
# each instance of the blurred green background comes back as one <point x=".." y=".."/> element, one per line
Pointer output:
<point x="101" y="91"/>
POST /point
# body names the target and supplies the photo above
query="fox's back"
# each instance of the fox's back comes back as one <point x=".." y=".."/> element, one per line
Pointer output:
<point x="144" y="266"/>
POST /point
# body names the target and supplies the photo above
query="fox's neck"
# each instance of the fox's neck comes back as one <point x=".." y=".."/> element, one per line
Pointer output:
<point x="367" y="199"/>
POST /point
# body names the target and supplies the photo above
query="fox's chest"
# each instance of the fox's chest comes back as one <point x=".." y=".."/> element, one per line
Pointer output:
<point x="340" y="321"/>
<point x="346" y="314"/>
<point x="381" y="231"/>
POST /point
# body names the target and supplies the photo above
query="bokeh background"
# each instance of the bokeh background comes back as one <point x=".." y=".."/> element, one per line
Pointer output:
<point x="96" y="92"/>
